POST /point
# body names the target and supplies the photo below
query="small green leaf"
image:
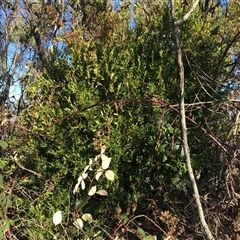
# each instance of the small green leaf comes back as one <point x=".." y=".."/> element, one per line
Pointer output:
<point x="3" y="144"/>
<point x="162" y="147"/>
<point x="1" y="165"/>
<point x="1" y="180"/>
<point x="182" y="152"/>
<point x="9" y="202"/>
<point x="11" y="222"/>
<point x="164" y="158"/>
<point x="177" y="146"/>
<point x="175" y="180"/>
<point x="4" y="209"/>
<point x="141" y="232"/>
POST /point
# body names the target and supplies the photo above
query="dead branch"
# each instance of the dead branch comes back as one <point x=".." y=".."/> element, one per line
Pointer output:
<point x="183" y="115"/>
<point x="17" y="159"/>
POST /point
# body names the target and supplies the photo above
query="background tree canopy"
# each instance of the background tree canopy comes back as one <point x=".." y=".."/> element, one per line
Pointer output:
<point x="90" y="82"/>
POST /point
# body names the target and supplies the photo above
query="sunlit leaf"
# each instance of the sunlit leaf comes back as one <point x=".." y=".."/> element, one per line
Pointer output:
<point x="102" y="192"/>
<point x="96" y="158"/>
<point x="105" y="161"/>
<point x="83" y="185"/>
<point x="84" y="175"/>
<point x="78" y="223"/>
<point x="134" y="207"/>
<point x="51" y="48"/>
<point x="96" y="234"/>
<point x="80" y="179"/>
<point x="87" y="217"/>
<point x="90" y="163"/>
<point x="99" y="172"/>
<point x="109" y="175"/>
<point x="57" y="217"/>
<point x="154" y="237"/>
<point x="85" y="169"/>
<point x="92" y="191"/>
<point x="76" y="188"/>
<point x="103" y="148"/>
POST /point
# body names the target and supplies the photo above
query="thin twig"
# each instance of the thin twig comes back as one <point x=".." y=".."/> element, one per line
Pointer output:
<point x="150" y="220"/>
<point x="15" y="159"/>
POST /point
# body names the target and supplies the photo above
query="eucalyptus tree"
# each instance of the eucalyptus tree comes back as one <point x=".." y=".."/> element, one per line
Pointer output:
<point x="11" y="49"/>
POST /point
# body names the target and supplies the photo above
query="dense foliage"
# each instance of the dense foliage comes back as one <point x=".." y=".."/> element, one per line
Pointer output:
<point x="94" y="82"/>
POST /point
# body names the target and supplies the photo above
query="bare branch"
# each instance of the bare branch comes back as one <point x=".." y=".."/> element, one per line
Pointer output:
<point x="188" y="14"/>
<point x="226" y="52"/>
<point x="183" y="115"/>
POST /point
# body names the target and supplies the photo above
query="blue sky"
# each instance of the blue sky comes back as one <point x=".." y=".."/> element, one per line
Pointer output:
<point x="15" y="89"/>
<point x="116" y="5"/>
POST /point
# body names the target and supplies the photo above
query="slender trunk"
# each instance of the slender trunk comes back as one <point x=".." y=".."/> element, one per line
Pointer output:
<point x="183" y="115"/>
